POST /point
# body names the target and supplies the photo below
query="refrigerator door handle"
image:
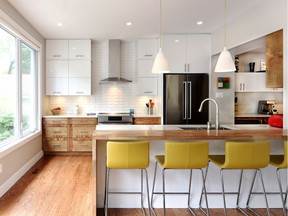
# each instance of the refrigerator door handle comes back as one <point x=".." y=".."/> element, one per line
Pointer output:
<point x="185" y="100"/>
<point x="190" y="100"/>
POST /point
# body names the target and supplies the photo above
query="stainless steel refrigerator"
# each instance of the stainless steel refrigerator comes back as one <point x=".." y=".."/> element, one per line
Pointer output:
<point x="183" y="94"/>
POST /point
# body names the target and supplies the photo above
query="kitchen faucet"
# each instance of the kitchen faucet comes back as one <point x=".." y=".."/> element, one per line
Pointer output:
<point x="217" y="125"/>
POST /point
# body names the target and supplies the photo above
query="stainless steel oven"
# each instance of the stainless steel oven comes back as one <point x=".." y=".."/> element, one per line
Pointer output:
<point x="115" y="118"/>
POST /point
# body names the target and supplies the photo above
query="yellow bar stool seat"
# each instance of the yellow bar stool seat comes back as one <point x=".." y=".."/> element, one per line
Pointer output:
<point x="241" y="156"/>
<point x="280" y="162"/>
<point x="127" y="155"/>
<point x="181" y="155"/>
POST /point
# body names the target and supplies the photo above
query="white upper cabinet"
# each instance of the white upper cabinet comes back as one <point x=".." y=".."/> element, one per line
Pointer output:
<point x="68" y="67"/>
<point x="56" y="49"/>
<point x="145" y="68"/>
<point x="147" y="48"/>
<point x="188" y="53"/>
<point x="252" y="82"/>
<point x="80" y="49"/>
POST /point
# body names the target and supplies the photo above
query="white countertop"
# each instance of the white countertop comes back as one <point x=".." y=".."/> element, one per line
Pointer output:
<point x="95" y="116"/>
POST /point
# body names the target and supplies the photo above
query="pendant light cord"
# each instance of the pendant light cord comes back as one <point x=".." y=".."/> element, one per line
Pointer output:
<point x="161" y="37"/>
<point x="225" y="25"/>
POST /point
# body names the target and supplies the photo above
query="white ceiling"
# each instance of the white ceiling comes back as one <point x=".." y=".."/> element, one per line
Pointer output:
<point x="103" y="19"/>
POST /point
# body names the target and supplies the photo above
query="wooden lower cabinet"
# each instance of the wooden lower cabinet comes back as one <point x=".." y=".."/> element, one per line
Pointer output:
<point x="68" y="134"/>
<point x="147" y="121"/>
<point x="251" y="120"/>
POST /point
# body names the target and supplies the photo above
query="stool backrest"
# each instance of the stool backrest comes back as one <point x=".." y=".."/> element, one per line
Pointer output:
<point x="128" y="155"/>
<point x="186" y="155"/>
<point x="246" y="155"/>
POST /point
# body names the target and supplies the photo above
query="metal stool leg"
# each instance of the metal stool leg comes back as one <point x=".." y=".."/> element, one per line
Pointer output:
<point x="205" y="192"/>
<point x="147" y="187"/>
<point x="189" y="192"/>
<point x="153" y="187"/>
<point x="200" y="201"/>
<point x="163" y="179"/>
<point x="281" y="191"/>
<point x="223" y="191"/>
<point x="106" y="192"/>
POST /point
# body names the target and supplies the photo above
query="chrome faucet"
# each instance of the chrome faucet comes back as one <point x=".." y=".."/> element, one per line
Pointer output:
<point x="217" y="125"/>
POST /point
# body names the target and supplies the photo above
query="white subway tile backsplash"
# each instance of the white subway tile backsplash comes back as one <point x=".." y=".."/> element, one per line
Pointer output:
<point x="109" y="97"/>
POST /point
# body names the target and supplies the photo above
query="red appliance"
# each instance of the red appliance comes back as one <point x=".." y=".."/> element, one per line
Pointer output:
<point x="276" y="120"/>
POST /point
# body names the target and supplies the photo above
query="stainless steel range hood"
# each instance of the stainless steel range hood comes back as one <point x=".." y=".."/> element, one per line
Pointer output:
<point x="114" y="73"/>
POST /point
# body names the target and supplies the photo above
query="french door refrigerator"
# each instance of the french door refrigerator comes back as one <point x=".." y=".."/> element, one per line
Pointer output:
<point x="182" y="96"/>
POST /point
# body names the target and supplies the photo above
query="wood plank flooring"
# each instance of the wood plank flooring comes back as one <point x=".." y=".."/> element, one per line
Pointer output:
<point x="62" y="185"/>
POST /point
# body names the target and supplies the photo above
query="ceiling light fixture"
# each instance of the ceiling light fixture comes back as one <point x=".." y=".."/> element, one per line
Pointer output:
<point x="59" y="24"/>
<point x="129" y="23"/>
<point x="160" y="64"/>
<point x="225" y="62"/>
<point x="200" y="23"/>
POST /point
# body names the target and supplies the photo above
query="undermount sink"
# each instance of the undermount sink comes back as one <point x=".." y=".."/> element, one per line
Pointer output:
<point x="203" y="128"/>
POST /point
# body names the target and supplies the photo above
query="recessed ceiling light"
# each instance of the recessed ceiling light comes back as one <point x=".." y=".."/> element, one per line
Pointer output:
<point x="200" y="23"/>
<point x="59" y="24"/>
<point x="129" y="23"/>
<point x="176" y="41"/>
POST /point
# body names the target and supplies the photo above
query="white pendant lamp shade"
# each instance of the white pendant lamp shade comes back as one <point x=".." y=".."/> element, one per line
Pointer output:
<point x="160" y="64"/>
<point x="225" y="62"/>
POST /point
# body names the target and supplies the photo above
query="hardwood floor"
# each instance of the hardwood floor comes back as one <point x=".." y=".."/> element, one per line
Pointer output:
<point x="62" y="185"/>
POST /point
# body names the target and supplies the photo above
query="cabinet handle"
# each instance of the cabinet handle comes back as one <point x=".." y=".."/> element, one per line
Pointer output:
<point x="243" y="86"/>
<point x="79" y="92"/>
<point x="184" y="67"/>
<point x="56" y="56"/>
<point x="148" y="55"/>
<point x="240" y="86"/>
<point x="56" y="92"/>
<point x="79" y="56"/>
<point x="188" y="68"/>
<point x="147" y="92"/>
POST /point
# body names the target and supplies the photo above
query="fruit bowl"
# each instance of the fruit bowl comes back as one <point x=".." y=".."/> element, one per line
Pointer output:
<point x="55" y="112"/>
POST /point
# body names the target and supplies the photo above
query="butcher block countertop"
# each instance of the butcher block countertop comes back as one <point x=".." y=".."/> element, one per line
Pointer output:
<point x="174" y="132"/>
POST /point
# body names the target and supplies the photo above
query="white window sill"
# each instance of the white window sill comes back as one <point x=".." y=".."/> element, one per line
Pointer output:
<point x="12" y="146"/>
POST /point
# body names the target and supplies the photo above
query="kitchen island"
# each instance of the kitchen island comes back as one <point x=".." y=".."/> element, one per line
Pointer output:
<point x="157" y="135"/>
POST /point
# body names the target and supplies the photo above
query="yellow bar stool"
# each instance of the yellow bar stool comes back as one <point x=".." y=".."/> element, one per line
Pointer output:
<point x="182" y="155"/>
<point x="242" y="156"/>
<point x="280" y="162"/>
<point x="127" y="155"/>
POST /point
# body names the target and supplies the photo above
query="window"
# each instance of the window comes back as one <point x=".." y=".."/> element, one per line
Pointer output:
<point x="18" y="87"/>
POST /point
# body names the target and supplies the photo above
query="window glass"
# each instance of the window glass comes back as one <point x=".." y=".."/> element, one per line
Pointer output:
<point x="8" y="86"/>
<point x="29" y="88"/>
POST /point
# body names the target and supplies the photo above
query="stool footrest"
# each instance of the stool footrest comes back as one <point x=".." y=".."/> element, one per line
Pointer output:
<point x="127" y="192"/>
<point x="172" y="193"/>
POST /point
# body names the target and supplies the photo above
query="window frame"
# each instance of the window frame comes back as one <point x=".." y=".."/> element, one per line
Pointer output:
<point x="20" y="138"/>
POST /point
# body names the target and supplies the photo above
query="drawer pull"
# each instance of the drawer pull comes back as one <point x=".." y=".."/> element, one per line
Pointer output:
<point x="147" y="92"/>
<point x="79" y="56"/>
<point x="148" y="55"/>
<point x="56" y="56"/>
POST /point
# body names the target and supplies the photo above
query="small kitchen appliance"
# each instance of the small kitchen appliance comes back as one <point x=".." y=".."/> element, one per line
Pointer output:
<point x="266" y="107"/>
<point x="115" y="118"/>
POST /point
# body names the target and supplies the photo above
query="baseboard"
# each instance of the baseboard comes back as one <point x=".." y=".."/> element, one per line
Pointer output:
<point x="16" y="176"/>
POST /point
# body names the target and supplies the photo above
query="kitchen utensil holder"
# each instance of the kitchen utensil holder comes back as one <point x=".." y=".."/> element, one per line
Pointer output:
<point x="150" y="110"/>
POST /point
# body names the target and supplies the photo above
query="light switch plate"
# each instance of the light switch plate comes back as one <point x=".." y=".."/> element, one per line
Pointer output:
<point x="219" y="95"/>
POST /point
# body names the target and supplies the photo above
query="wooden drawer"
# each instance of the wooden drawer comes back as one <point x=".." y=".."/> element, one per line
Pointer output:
<point x="82" y="145"/>
<point x="84" y="121"/>
<point x="56" y="132"/>
<point x="55" y="145"/>
<point x="57" y="122"/>
<point x="84" y="132"/>
<point x="147" y="121"/>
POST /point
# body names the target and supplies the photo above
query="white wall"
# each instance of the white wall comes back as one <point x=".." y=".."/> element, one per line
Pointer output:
<point x="270" y="16"/>
<point x="18" y="161"/>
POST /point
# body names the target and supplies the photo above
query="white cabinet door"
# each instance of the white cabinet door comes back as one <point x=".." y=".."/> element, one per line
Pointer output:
<point x="56" y="68"/>
<point x="79" y="86"/>
<point x="251" y="82"/>
<point x="147" y="48"/>
<point x="56" y="86"/>
<point x="79" y="49"/>
<point x="145" y="68"/>
<point x="174" y="48"/>
<point x="147" y="86"/>
<point x="198" y="53"/>
<point x="80" y="68"/>
<point x="56" y="49"/>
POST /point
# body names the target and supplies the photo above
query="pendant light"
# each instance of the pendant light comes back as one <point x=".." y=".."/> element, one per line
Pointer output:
<point x="225" y="62"/>
<point x="160" y="64"/>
